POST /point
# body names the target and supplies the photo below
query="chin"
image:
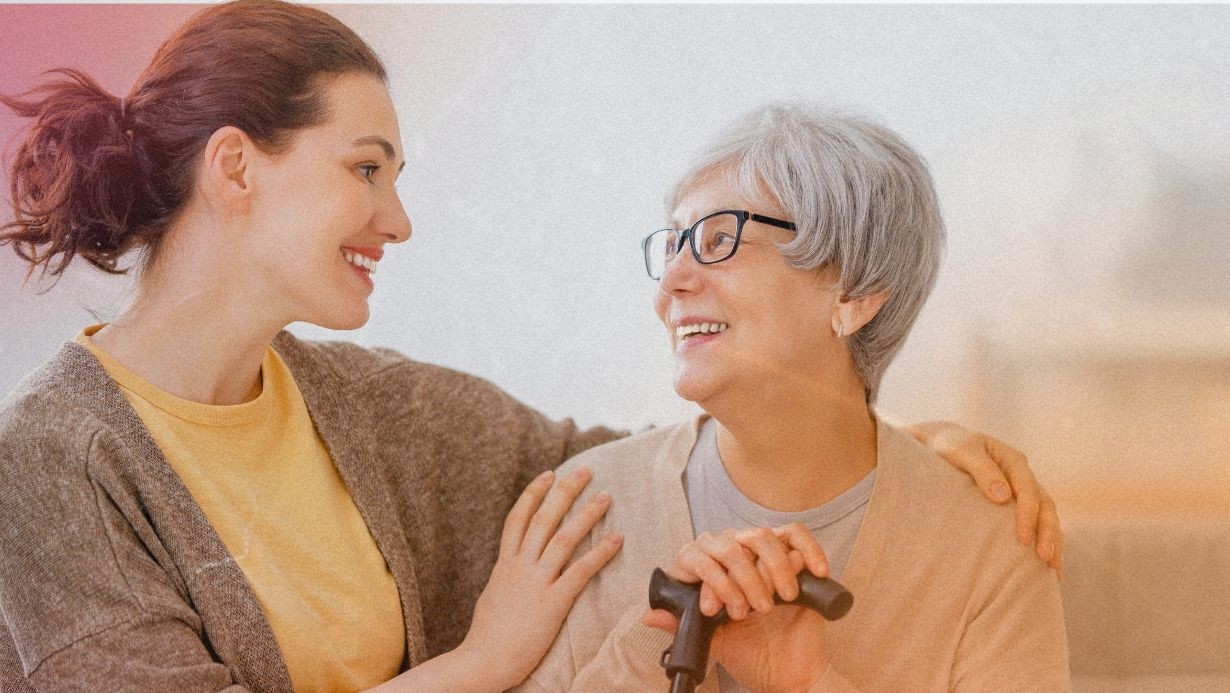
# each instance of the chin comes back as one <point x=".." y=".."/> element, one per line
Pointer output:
<point x="693" y="386"/>
<point x="351" y="319"/>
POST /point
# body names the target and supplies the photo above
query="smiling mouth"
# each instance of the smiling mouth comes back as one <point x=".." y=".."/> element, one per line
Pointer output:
<point x="684" y="332"/>
<point x="359" y="260"/>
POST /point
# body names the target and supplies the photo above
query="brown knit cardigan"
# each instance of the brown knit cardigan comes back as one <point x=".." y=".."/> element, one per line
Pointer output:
<point x="111" y="578"/>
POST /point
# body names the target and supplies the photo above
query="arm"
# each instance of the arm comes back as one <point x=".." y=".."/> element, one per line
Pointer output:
<point x="84" y="603"/>
<point x="1015" y="639"/>
<point x="1001" y="472"/>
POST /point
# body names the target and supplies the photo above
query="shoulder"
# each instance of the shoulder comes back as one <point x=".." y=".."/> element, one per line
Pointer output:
<point x="376" y="368"/>
<point x="622" y="459"/>
<point x="940" y="511"/>
<point x="912" y="467"/>
<point x="52" y="415"/>
<point x="347" y="359"/>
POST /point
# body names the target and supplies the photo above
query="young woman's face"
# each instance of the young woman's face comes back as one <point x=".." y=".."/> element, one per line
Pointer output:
<point x="774" y="319"/>
<point x="325" y="209"/>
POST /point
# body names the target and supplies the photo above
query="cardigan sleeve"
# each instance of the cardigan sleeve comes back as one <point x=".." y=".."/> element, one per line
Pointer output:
<point x="1016" y="641"/>
<point x="629" y="659"/>
<point x="84" y="606"/>
<point x="626" y="661"/>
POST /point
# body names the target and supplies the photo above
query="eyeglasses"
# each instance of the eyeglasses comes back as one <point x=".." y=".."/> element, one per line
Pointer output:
<point x="714" y="237"/>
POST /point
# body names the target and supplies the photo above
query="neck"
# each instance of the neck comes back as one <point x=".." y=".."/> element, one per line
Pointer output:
<point x="193" y="330"/>
<point x="789" y="452"/>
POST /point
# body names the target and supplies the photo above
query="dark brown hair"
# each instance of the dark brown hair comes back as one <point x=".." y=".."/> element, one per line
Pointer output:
<point x="99" y="176"/>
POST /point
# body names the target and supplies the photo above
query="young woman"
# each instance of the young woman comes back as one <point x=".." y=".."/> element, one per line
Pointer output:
<point x="192" y="498"/>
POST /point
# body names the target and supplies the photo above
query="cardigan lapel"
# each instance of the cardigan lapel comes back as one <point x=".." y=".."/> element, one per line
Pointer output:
<point x="340" y="419"/>
<point x="884" y="508"/>
<point x="670" y="467"/>
<point x="207" y="574"/>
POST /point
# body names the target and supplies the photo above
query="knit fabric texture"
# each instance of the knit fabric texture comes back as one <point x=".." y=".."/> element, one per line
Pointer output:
<point x="111" y="578"/>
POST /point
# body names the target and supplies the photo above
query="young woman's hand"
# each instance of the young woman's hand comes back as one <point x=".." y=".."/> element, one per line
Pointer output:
<point x="765" y="647"/>
<point x="1001" y="472"/>
<point x="531" y="591"/>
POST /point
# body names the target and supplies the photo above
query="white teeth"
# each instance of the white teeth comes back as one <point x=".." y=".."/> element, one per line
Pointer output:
<point x="358" y="260"/>
<point x="685" y="331"/>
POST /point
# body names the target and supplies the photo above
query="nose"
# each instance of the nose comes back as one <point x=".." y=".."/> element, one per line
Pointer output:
<point x="681" y="274"/>
<point x="391" y="220"/>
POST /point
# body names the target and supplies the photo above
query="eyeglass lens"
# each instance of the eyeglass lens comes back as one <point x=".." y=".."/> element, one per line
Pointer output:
<point x="713" y="238"/>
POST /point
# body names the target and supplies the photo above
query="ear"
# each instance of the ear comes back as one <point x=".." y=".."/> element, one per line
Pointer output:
<point x="850" y="315"/>
<point x="226" y="167"/>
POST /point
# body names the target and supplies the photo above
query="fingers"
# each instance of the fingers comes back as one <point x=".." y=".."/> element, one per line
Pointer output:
<point x="981" y="457"/>
<point x="564" y="542"/>
<point x="555" y="505"/>
<point x="1024" y="487"/>
<point x="771" y="552"/>
<point x="1050" y="534"/>
<point x="746" y="569"/>
<point x="587" y="566"/>
<point x="799" y="538"/>
<point x="662" y="620"/>
<point x="1036" y="514"/>
<point x="716" y="559"/>
<point x="517" y="519"/>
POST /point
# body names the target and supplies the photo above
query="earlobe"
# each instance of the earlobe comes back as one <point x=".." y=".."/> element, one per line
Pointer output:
<point x="849" y="315"/>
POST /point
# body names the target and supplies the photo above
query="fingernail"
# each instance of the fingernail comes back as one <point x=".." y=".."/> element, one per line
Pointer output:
<point x="1046" y="550"/>
<point x="615" y="538"/>
<point x="580" y="473"/>
<point x="602" y="498"/>
<point x="1000" y="491"/>
<point x="545" y="475"/>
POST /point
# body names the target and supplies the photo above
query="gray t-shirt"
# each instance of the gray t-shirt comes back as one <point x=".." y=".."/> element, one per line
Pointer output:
<point x="716" y="504"/>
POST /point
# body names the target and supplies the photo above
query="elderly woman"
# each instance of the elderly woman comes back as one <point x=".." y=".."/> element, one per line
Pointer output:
<point x="802" y="250"/>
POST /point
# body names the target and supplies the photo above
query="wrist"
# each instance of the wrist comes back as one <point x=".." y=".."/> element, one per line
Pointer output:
<point x="474" y="670"/>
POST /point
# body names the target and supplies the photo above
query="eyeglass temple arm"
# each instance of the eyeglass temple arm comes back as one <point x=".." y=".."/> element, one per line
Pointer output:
<point x="772" y="222"/>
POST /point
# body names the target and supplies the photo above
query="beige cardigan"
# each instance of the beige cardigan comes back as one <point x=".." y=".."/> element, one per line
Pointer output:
<point x="945" y="598"/>
<point x="112" y="579"/>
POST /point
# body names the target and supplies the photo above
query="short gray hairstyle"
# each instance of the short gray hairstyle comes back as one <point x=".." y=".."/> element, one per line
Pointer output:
<point x="863" y="202"/>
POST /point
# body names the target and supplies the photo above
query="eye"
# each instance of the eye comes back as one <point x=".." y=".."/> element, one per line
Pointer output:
<point x="368" y="171"/>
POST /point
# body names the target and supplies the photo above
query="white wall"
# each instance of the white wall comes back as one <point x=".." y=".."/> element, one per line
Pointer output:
<point x="1082" y="156"/>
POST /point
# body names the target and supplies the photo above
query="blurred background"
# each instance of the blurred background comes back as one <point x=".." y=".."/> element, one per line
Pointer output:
<point x="1082" y="157"/>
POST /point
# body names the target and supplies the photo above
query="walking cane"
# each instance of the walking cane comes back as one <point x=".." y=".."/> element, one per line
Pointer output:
<point x="688" y="657"/>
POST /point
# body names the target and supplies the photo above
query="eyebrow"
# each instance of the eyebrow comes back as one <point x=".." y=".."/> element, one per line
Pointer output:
<point x="381" y="142"/>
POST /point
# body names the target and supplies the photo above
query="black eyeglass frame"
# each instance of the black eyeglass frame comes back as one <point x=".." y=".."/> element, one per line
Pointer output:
<point x="688" y="235"/>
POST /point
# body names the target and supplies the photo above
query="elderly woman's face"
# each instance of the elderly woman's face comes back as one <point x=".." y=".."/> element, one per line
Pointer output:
<point x="774" y="321"/>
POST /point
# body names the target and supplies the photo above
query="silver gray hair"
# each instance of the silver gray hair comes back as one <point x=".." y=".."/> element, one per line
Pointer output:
<point x="863" y="202"/>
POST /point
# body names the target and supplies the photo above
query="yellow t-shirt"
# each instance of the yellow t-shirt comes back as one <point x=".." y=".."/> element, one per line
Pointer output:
<point x="267" y="485"/>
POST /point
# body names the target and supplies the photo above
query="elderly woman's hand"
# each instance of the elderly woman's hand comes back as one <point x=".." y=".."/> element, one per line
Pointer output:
<point x="779" y="647"/>
<point x="1001" y="472"/>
